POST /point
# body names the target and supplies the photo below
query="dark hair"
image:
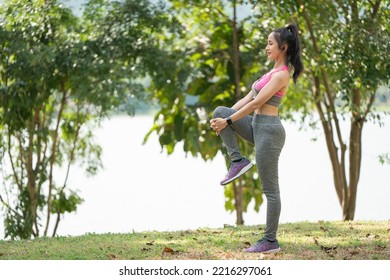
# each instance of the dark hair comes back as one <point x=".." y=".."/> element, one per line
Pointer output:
<point x="289" y="35"/>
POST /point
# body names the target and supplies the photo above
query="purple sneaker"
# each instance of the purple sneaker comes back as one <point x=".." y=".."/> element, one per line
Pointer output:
<point x="236" y="170"/>
<point x="264" y="246"/>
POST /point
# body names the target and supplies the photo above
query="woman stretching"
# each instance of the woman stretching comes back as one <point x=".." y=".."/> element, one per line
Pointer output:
<point x="264" y="129"/>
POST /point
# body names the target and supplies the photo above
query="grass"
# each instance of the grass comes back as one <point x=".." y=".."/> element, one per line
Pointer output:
<point x="358" y="240"/>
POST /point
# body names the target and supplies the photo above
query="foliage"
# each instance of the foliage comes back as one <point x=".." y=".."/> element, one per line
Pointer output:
<point x="350" y="66"/>
<point x="345" y="53"/>
<point x="204" y="77"/>
<point x="60" y="76"/>
<point x="384" y="158"/>
<point x="41" y="112"/>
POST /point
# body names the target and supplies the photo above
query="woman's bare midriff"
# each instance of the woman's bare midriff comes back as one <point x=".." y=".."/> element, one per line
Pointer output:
<point x="267" y="110"/>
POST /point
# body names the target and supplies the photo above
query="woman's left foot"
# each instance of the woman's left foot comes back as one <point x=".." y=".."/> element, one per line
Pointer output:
<point x="236" y="170"/>
<point x="264" y="246"/>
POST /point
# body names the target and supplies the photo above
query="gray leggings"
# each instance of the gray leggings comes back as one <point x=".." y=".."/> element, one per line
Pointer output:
<point x="268" y="135"/>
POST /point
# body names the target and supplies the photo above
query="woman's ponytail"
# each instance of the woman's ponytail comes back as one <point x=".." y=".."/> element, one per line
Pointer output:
<point x="290" y="36"/>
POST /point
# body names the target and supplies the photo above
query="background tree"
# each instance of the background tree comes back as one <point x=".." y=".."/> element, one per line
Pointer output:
<point x="346" y="54"/>
<point x="352" y="63"/>
<point x="40" y="121"/>
<point x="216" y="60"/>
<point x="60" y="76"/>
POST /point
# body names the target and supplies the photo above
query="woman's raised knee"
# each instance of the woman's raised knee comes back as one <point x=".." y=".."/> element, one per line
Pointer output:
<point x="221" y="112"/>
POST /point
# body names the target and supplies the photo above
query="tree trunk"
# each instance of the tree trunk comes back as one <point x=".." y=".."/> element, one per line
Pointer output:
<point x="331" y="145"/>
<point x="236" y="56"/>
<point x="346" y="192"/>
<point x="355" y="154"/>
<point x="237" y="186"/>
<point x="52" y="158"/>
<point x="31" y="183"/>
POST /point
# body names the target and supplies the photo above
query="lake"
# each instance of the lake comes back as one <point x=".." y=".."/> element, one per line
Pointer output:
<point x="142" y="188"/>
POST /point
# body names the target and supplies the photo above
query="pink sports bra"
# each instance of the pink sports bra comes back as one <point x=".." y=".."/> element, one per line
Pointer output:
<point x="276" y="99"/>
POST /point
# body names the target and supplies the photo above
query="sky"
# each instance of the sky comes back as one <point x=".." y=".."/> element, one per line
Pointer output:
<point x="76" y="5"/>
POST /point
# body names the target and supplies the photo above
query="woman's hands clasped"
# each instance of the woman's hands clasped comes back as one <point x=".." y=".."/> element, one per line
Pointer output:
<point x="218" y="124"/>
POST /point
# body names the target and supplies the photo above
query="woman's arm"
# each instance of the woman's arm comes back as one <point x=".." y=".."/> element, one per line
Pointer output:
<point x="278" y="81"/>
<point x="243" y="101"/>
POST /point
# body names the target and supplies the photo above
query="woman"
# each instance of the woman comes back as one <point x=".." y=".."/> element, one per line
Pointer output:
<point x="264" y="129"/>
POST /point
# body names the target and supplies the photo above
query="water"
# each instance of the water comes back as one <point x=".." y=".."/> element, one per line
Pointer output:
<point x="141" y="188"/>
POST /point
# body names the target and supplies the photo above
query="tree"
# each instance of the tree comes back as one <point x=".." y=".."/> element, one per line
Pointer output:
<point x="60" y="76"/>
<point x="346" y="54"/>
<point x="40" y="121"/>
<point x="351" y="57"/>
<point x="215" y="61"/>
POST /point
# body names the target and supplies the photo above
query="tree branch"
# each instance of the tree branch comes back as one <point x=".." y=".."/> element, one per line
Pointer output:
<point x="369" y="105"/>
<point x="71" y="158"/>
<point x="15" y="174"/>
<point x="332" y="149"/>
<point x="236" y="55"/>
<point x="31" y="182"/>
<point x="375" y="8"/>
<point x="9" y="207"/>
<point x="325" y="78"/>
<point x="53" y="155"/>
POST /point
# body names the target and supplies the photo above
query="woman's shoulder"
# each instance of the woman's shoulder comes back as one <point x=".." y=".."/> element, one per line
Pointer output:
<point x="281" y="75"/>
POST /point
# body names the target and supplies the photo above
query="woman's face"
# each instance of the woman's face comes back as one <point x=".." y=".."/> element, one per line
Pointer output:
<point x="272" y="48"/>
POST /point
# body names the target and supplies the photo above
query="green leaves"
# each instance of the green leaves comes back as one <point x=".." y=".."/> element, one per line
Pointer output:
<point x="344" y="51"/>
<point x="62" y="202"/>
<point x="60" y="76"/>
<point x="202" y="57"/>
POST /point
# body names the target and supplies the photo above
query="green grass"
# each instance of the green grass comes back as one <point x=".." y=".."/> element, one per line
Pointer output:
<point x="358" y="240"/>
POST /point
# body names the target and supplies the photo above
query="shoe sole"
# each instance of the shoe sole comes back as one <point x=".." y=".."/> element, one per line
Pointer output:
<point x="243" y="171"/>
<point x="266" y="252"/>
<point x="272" y="251"/>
